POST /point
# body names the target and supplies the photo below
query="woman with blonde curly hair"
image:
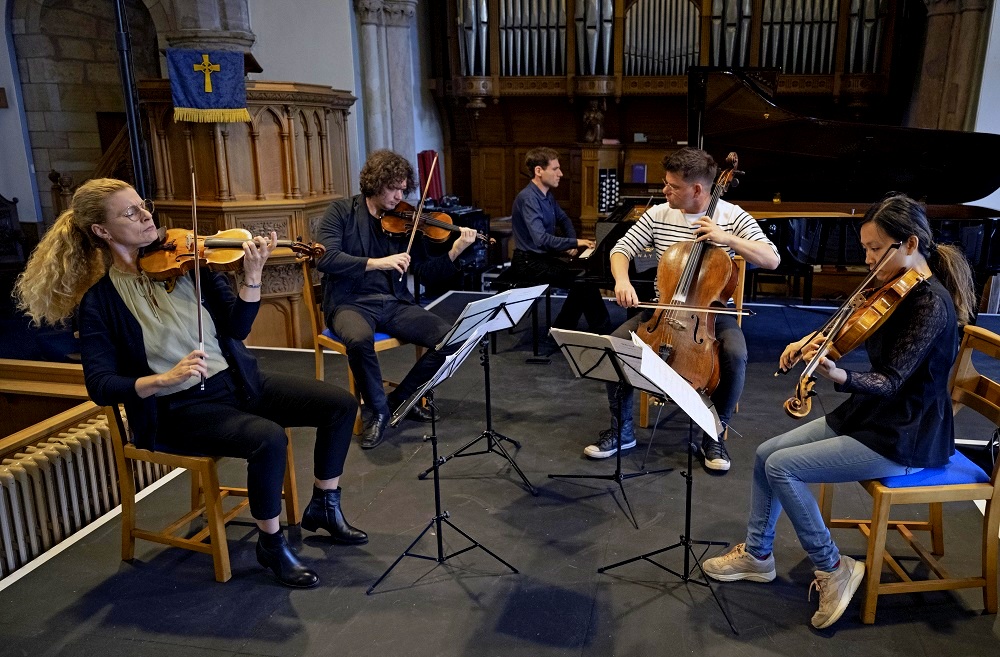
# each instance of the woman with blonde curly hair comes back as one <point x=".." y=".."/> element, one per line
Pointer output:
<point x="136" y="338"/>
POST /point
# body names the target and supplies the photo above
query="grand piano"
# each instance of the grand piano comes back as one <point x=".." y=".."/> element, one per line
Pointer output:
<point x="808" y="180"/>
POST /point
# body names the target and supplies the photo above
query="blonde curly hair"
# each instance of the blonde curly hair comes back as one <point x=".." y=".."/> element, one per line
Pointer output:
<point x="69" y="259"/>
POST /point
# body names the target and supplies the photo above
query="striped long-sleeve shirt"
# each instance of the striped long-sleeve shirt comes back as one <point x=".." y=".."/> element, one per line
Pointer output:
<point x="663" y="226"/>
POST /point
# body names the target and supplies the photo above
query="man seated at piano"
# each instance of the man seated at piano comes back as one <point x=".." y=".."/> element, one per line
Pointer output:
<point x="542" y="256"/>
<point x="687" y="186"/>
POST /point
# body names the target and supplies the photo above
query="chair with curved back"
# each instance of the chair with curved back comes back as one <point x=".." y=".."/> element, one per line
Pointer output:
<point x="325" y="339"/>
<point x="958" y="481"/>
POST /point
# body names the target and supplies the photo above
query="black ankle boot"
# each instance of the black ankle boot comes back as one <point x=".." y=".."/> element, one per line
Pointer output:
<point x="273" y="552"/>
<point x="324" y="511"/>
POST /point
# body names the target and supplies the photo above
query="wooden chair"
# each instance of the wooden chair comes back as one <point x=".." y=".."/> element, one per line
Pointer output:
<point x="325" y="339"/>
<point x="959" y="480"/>
<point x="645" y="399"/>
<point x="207" y="497"/>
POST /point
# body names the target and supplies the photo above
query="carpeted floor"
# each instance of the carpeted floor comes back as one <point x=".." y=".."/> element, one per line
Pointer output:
<point x="85" y="601"/>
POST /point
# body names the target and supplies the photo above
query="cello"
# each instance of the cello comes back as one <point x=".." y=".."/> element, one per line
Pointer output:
<point x="692" y="278"/>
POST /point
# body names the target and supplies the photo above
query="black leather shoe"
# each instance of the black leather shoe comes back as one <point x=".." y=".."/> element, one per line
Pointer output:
<point x="279" y="558"/>
<point x="374" y="431"/>
<point x="420" y="413"/>
<point x="324" y="512"/>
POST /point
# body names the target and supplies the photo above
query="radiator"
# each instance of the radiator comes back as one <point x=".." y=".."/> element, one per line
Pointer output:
<point x="50" y="490"/>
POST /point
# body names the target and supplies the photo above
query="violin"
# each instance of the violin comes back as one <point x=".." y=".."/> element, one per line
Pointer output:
<point x="692" y="279"/>
<point x="854" y="323"/>
<point x="174" y="255"/>
<point x="435" y="226"/>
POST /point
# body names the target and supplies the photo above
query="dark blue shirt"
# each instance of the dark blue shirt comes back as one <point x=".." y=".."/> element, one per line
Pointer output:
<point x="534" y="218"/>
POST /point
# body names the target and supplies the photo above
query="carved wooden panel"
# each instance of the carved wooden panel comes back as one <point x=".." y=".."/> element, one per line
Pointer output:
<point x="279" y="172"/>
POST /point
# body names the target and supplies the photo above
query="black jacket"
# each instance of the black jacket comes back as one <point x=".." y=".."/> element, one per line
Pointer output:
<point x="345" y="233"/>
<point x="114" y="354"/>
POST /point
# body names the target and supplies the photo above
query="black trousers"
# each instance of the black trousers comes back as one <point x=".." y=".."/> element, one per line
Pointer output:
<point x="356" y="324"/>
<point x="218" y="422"/>
<point x="583" y="298"/>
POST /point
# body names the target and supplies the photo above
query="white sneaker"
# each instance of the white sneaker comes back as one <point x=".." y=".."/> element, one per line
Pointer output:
<point x="739" y="564"/>
<point x="835" y="591"/>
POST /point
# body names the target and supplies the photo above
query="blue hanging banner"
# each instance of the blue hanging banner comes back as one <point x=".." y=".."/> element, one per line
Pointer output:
<point x="207" y="85"/>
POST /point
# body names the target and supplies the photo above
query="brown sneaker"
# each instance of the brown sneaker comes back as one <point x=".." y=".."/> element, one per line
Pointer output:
<point x="835" y="591"/>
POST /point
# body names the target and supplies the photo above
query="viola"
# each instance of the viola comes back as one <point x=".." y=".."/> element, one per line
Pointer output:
<point x="173" y="256"/>
<point x="868" y="310"/>
<point x="691" y="279"/>
<point x="435" y="226"/>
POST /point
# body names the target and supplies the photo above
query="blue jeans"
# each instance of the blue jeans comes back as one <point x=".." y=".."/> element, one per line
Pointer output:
<point x="732" y="371"/>
<point x="782" y="471"/>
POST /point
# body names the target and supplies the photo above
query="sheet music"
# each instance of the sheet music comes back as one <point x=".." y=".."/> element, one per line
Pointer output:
<point x="448" y="367"/>
<point x="676" y="388"/>
<point x="589" y="251"/>
<point x="475" y="316"/>
<point x="587" y="356"/>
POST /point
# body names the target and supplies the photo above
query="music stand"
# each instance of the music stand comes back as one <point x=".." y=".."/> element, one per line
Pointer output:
<point x="672" y="385"/>
<point x="498" y="312"/>
<point x="447" y="368"/>
<point x="612" y="360"/>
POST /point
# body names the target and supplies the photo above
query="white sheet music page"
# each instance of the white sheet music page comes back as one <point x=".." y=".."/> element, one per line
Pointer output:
<point x="586" y="253"/>
<point x="674" y="386"/>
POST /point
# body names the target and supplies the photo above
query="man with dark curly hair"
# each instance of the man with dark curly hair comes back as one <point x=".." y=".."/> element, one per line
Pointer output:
<point x="364" y="290"/>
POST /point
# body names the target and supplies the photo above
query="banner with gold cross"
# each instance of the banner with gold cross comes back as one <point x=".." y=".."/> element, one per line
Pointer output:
<point x="207" y="85"/>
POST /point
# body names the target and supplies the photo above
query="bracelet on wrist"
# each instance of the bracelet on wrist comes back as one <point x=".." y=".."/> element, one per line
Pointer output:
<point x="252" y="286"/>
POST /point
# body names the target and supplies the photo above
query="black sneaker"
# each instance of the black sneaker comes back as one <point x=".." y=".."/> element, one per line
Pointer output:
<point x="607" y="445"/>
<point x="714" y="453"/>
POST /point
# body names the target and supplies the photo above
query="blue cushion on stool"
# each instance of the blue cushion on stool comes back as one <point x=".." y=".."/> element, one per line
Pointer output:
<point x="959" y="470"/>
<point x="378" y="336"/>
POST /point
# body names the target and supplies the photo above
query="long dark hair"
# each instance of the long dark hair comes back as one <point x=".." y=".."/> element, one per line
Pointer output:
<point x="899" y="217"/>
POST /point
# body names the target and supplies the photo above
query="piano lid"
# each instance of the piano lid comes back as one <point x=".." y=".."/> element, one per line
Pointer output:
<point x="809" y="159"/>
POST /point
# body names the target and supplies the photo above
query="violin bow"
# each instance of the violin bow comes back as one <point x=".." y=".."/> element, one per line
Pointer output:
<point x="420" y="208"/>
<point x="197" y="267"/>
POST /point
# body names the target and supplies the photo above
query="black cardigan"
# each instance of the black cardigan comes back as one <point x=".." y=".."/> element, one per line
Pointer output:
<point x="114" y="354"/>
<point x="901" y="408"/>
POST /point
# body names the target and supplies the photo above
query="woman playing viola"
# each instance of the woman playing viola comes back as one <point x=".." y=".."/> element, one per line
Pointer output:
<point x="897" y="420"/>
<point x="136" y="342"/>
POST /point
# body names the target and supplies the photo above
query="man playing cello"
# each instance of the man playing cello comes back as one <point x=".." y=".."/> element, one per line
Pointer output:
<point x="688" y="181"/>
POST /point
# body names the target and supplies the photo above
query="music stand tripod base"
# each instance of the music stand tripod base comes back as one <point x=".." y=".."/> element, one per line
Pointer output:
<point x="684" y="543"/>
<point x="440" y="517"/>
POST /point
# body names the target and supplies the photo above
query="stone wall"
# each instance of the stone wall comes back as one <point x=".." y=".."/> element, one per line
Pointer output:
<point x="68" y="63"/>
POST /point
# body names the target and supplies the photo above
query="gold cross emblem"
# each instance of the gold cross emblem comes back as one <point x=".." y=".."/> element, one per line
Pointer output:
<point x="207" y="68"/>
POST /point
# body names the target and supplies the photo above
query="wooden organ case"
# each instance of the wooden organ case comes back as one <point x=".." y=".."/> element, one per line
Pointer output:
<point x="604" y="81"/>
<point x="279" y="172"/>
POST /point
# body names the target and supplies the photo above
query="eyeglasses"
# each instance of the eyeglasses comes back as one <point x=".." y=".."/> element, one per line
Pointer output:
<point x="672" y="187"/>
<point x="132" y="212"/>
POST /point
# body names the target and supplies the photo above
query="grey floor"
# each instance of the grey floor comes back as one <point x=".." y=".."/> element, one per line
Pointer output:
<point x="86" y="601"/>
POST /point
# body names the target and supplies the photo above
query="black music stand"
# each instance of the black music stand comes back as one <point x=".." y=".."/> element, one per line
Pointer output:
<point x="498" y="312"/>
<point x="671" y="385"/>
<point x="440" y="517"/>
<point x="612" y="360"/>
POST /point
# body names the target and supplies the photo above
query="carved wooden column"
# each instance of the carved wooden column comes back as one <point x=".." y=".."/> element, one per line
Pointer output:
<point x="953" y="61"/>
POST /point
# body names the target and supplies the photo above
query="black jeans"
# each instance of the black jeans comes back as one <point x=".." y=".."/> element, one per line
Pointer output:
<point x="218" y="422"/>
<point x="355" y="324"/>
<point x="582" y="298"/>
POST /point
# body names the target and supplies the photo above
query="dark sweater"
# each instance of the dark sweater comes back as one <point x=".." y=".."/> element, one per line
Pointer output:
<point x="114" y="354"/>
<point x="901" y="408"/>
